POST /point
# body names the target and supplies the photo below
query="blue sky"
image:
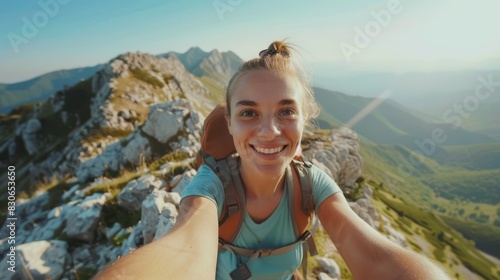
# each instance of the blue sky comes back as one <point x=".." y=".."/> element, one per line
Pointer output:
<point x="396" y="35"/>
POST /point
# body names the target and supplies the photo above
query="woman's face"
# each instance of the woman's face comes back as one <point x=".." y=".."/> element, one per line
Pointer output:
<point x="266" y="121"/>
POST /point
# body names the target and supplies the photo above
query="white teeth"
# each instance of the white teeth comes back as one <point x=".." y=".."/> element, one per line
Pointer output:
<point x="268" y="151"/>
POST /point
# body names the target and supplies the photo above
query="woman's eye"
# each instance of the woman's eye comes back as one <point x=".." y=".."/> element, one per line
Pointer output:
<point x="247" y="113"/>
<point x="287" y="112"/>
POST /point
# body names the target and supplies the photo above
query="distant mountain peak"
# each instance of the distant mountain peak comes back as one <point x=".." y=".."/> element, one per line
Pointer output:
<point x="219" y="66"/>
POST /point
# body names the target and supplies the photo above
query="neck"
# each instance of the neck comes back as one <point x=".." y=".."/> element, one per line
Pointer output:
<point x="259" y="186"/>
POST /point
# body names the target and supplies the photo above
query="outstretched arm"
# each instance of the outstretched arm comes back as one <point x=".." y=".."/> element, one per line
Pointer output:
<point x="188" y="251"/>
<point x="368" y="254"/>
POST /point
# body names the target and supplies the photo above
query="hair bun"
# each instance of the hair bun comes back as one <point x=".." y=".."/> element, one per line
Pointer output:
<point x="277" y="47"/>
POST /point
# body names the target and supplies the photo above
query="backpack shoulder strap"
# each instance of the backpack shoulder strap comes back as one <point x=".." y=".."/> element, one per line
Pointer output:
<point x="303" y="203"/>
<point x="234" y="202"/>
<point x="303" y="208"/>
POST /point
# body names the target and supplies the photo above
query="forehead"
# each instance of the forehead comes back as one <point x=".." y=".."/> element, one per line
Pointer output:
<point x="267" y="85"/>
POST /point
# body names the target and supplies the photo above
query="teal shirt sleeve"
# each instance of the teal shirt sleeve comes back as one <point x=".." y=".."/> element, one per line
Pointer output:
<point x="206" y="184"/>
<point x="323" y="186"/>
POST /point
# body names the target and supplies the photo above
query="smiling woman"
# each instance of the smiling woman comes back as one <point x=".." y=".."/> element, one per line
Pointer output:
<point x="268" y="102"/>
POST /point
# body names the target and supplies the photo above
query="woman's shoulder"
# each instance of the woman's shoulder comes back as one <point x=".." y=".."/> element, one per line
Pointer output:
<point x="323" y="185"/>
<point x="317" y="173"/>
<point x="205" y="183"/>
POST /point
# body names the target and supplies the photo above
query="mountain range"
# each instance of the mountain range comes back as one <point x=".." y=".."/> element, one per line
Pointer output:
<point x="42" y="87"/>
<point x="218" y="66"/>
<point x="215" y="66"/>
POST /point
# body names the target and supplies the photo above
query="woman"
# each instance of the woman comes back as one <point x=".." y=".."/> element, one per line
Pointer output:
<point x="268" y="102"/>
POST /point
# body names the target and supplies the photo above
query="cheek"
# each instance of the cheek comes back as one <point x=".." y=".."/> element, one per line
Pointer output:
<point x="294" y="130"/>
<point x="239" y="132"/>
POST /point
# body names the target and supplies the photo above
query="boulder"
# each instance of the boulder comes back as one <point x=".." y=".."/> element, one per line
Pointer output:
<point x="153" y="207"/>
<point x="82" y="219"/>
<point x="340" y="159"/>
<point x="168" y="116"/>
<point x="136" y="191"/>
<point x="184" y="181"/>
<point x="137" y="147"/>
<point x="330" y="266"/>
<point x="30" y="137"/>
<point x="41" y="260"/>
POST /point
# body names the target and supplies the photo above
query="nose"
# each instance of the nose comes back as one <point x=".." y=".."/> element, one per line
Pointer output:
<point x="269" y="128"/>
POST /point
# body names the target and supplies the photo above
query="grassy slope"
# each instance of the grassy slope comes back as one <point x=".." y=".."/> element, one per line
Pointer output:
<point x="483" y="119"/>
<point x="389" y="164"/>
<point x="472" y="157"/>
<point x="442" y="244"/>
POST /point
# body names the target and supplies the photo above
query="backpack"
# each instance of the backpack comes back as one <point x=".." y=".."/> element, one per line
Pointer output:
<point x="218" y="152"/>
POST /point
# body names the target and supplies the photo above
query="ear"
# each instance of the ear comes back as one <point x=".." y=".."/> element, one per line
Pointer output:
<point x="228" y="120"/>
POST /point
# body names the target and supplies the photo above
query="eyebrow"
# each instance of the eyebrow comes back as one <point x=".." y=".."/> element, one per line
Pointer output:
<point x="253" y="103"/>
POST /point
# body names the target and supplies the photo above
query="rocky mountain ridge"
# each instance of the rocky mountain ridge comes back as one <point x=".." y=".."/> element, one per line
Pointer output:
<point x="119" y="97"/>
<point x="219" y="66"/>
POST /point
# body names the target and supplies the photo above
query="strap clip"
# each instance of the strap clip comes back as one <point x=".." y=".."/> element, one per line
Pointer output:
<point x="241" y="273"/>
<point x="264" y="253"/>
<point x="306" y="235"/>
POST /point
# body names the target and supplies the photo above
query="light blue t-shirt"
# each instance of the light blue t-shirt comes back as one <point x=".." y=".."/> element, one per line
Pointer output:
<point x="276" y="231"/>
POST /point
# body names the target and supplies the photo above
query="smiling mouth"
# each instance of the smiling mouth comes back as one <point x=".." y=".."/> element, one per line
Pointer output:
<point x="268" y="151"/>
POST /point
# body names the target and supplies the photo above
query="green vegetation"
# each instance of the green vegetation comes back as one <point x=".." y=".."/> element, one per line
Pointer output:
<point x="325" y="249"/>
<point x="477" y="186"/>
<point x="146" y="77"/>
<point x="174" y="156"/>
<point x="389" y="164"/>
<point x="217" y="92"/>
<point x="484" y="156"/>
<point x="112" y="213"/>
<point x="438" y="234"/>
<point x="113" y="186"/>
<point x="103" y="132"/>
<point x="485" y="237"/>
<point x="167" y="78"/>
<point x="85" y="273"/>
<point x="23" y="110"/>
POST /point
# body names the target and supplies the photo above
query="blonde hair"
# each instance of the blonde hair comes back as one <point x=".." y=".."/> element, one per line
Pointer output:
<point x="278" y="58"/>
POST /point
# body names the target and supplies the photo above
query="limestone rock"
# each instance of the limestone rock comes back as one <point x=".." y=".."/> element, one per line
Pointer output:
<point x="340" y="159"/>
<point x="185" y="180"/>
<point x="82" y="219"/>
<point x="330" y="266"/>
<point x="30" y="137"/>
<point x="168" y="117"/>
<point x="136" y="191"/>
<point x="153" y="207"/>
<point x="42" y="260"/>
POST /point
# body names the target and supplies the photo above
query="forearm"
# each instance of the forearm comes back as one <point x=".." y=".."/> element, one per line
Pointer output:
<point x="367" y="253"/>
<point x="189" y="251"/>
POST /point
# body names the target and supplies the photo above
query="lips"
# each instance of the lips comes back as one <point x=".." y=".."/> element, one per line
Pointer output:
<point x="269" y="151"/>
